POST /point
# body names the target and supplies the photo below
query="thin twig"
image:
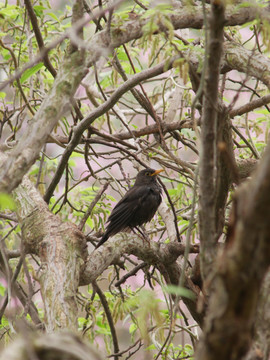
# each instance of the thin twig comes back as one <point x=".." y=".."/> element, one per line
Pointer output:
<point x="92" y="205"/>
<point x="109" y="318"/>
<point x="40" y="42"/>
<point x="130" y="273"/>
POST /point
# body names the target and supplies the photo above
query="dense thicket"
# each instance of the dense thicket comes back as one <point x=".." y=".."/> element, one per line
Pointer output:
<point x="90" y="95"/>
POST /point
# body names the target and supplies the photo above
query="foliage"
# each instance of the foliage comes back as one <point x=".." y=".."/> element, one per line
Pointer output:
<point x="112" y="151"/>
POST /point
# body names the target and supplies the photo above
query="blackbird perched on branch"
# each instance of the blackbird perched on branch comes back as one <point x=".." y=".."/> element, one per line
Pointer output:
<point x="137" y="207"/>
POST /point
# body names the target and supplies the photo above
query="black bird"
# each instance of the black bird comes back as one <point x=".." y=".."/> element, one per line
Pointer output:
<point x="138" y="205"/>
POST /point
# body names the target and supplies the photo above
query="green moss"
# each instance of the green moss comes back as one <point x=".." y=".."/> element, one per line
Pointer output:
<point x="50" y="112"/>
<point x="64" y="88"/>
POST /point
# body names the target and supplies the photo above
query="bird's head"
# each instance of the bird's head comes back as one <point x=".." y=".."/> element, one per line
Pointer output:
<point x="147" y="176"/>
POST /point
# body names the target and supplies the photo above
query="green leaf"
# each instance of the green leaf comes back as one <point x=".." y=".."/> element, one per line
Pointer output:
<point x="189" y="349"/>
<point x="90" y="223"/>
<point x="2" y="95"/>
<point x="29" y="72"/>
<point x="262" y="111"/>
<point x="72" y="163"/>
<point x="2" y="290"/>
<point x="11" y="11"/>
<point x="6" y="202"/>
<point x="39" y="9"/>
<point x="151" y="347"/>
<point x="173" y="192"/>
<point x="76" y="155"/>
<point x="179" y="290"/>
<point x="4" y="322"/>
<point x="132" y="328"/>
<point x="82" y="322"/>
<point x="53" y="16"/>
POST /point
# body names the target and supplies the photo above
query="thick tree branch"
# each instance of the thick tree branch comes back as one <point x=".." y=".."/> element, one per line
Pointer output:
<point x="152" y="253"/>
<point x="209" y="127"/>
<point x="250" y="62"/>
<point x="22" y="157"/>
<point x="60" y="247"/>
<point x="181" y="18"/>
<point x="239" y="271"/>
<point x="236" y="57"/>
<point x="164" y="256"/>
<point x="60" y="346"/>
<point x="260" y="348"/>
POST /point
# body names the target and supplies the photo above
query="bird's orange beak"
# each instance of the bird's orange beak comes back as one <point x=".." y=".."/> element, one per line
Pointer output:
<point x="157" y="172"/>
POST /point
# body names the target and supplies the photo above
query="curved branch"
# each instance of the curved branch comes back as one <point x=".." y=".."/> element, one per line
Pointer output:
<point x="152" y="253"/>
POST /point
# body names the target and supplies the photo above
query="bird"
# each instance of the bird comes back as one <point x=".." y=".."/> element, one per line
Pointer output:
<point x="137" y="207"/>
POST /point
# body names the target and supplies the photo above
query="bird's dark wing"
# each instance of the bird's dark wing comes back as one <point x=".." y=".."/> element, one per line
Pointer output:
<point x="123" y="215"/>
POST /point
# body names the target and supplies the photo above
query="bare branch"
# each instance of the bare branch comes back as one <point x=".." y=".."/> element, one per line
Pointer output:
<point x="250" y="106"/>
<point x="209" y="126"/>
<point x="92" y="205"/>
<point x="247" y="61"/>
<point x="34" y="21"/>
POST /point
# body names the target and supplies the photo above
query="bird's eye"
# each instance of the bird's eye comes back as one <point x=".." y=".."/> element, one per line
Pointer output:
<point x="148" y="173"/>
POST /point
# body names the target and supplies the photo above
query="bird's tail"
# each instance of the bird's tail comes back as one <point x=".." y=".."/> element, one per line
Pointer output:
<point x="103" y="239"/>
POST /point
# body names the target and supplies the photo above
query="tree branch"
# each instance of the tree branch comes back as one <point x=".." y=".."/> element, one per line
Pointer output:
<point x="60" y="247"/>
<point x="22" y="157"/>
<point x="247" y="61"/>
<point x="239" y="271"/>
<point x="34" y="21"/>
<point x="58" y="345"/>
<point x="209" y="127"/>
<point x="164" y="256"/>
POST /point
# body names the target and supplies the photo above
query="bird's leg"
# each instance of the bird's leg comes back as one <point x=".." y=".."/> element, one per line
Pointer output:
<point x="143" y="234"/>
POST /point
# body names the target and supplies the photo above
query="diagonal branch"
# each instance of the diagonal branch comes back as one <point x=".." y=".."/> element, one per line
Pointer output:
<point x="34" y="21"/>
<point x="22" y="157"/>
